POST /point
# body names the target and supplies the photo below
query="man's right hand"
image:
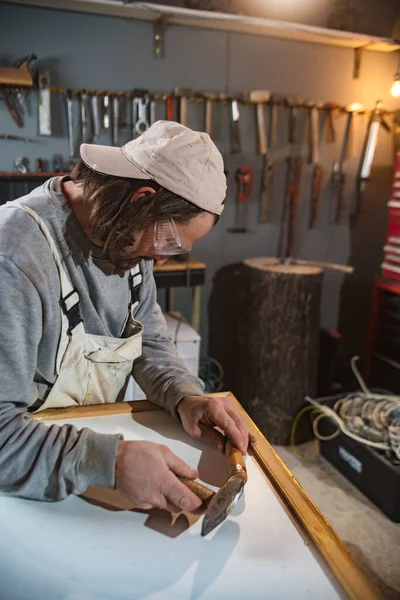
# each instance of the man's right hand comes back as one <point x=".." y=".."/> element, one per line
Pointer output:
<point x="147" y="473"/>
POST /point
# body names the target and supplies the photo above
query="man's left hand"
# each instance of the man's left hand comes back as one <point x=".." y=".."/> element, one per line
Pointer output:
<point x="201" y="414"/>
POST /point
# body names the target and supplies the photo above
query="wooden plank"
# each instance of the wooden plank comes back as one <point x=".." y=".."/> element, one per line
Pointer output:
<point x="174" y="265"/>
<point x="331" y="548"/>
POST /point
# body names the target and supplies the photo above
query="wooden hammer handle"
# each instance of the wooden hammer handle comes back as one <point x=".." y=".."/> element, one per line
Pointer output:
<point x="236" y="464"/>
<point x="203" y="492"/>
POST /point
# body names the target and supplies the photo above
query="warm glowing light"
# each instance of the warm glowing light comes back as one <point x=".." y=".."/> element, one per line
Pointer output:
<point x="395" y="91"/>
<point x="355" y="107"/>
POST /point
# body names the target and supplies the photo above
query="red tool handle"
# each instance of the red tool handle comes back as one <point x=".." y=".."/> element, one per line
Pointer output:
<point x="169" y="105"/>
<point x="244" y="177"/>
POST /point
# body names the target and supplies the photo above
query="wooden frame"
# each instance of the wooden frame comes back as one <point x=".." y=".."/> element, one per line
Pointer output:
<point x="306" y="515"/>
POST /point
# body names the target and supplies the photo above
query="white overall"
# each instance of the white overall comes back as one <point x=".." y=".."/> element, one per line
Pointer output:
<point x="91" y="369"/>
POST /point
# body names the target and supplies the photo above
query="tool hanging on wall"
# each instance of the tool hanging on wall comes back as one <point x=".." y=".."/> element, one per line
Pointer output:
<point x="22" y="164"/>
<point x="183" y="94"/>
<point x="292" y="103"/>
<point x="19" y="100"/>
<point x="17" y="91"/>
<point x="13" y="80"/>
<point x="123" y="115"/>
<point x="316" y="187"/>
<point x="94" y="102"/>
<point x="260" y="98"/>
<point x="289" y="211"/>
<point x="313" y="134"/>
<point x="40" y="165"/>
<point x="153" y="111"/>
<point x="329" y="122"/>
<point x="234" y="128"/>
<point x="106" y="112"/>
<point x="115" y="121"/>
<point x="314" y="159"/>
<point x="44" y="102"/>
<point x="84" y="118"/>
<point x="244" y="177"/>
<point x="336" y="208"/>
<point x="170" y="108"/>
<point x="274" y="101"/>
<point x="209" y="99"/>
<point x="375" y="122"/>
<point x="141" y="106"/>
<point x="9" y="100"/>
<point x="70" y="119"/>
<point x="58" y="163"/>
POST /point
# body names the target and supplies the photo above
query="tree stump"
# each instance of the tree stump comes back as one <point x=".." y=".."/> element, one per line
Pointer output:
<point x="264" y="329"/>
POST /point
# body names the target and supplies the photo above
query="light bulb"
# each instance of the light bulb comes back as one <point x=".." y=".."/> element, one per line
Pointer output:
<point x="395" y="91"/>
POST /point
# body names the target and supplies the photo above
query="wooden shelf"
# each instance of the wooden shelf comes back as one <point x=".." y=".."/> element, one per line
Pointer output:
<point x="147" y="11"/>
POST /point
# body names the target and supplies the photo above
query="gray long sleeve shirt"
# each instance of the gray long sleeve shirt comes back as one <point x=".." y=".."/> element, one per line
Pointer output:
<point x="49" y="463"/>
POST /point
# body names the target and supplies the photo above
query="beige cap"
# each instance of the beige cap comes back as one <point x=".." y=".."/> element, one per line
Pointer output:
<point x="183" y="161"/>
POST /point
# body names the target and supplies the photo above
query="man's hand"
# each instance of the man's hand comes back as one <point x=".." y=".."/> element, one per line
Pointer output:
<point x="147" y="474"/>
<point x="201" y="414"/>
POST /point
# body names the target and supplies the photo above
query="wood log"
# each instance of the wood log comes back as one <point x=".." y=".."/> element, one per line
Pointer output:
<point x="264" y="329"/>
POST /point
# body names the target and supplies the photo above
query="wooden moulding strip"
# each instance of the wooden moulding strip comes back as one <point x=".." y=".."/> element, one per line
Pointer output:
<point x="95" y="410"/>
<point x="331" y="548"/>
<point x="337" y="556"/>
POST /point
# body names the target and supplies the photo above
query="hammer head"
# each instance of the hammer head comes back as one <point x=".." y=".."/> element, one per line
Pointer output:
<point x="222" y="503"/>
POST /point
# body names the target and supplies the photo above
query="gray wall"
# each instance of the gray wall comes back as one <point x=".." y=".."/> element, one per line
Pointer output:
<point x="98" y="52"/>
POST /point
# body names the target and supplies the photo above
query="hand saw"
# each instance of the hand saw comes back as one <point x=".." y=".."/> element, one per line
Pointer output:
<point x="371" y="139"/>
<point x="244" y="178"/>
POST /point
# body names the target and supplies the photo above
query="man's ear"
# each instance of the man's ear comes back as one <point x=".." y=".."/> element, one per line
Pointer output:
<point x="141" y="192"/>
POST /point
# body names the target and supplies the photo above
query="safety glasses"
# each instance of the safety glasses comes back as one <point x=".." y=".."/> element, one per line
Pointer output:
<point x="166" y="239"/>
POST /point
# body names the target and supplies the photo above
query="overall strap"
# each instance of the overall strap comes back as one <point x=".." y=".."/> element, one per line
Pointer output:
<point x="69" y="301"/>
<point x="135" y="280"/>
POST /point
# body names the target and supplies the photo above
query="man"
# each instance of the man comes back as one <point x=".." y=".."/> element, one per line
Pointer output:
<point x="79" y="315"/>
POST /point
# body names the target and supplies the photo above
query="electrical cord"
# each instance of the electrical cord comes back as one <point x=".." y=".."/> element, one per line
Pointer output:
<point x="293" y="435"/>
<point x="369" y="418"/>
<point x="318" y="435"/>
<point x="212" y="373"/>
<point x="335" y="417"/>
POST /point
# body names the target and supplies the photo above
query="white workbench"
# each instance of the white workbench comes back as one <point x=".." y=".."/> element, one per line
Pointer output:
<point x="73" y="550"/>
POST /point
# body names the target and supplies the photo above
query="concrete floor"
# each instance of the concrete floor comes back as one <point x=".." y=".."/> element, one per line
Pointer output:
<point x="372" y="538"/>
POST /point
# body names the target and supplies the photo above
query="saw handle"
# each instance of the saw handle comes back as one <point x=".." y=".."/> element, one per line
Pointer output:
<point x="236" y="464"/>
